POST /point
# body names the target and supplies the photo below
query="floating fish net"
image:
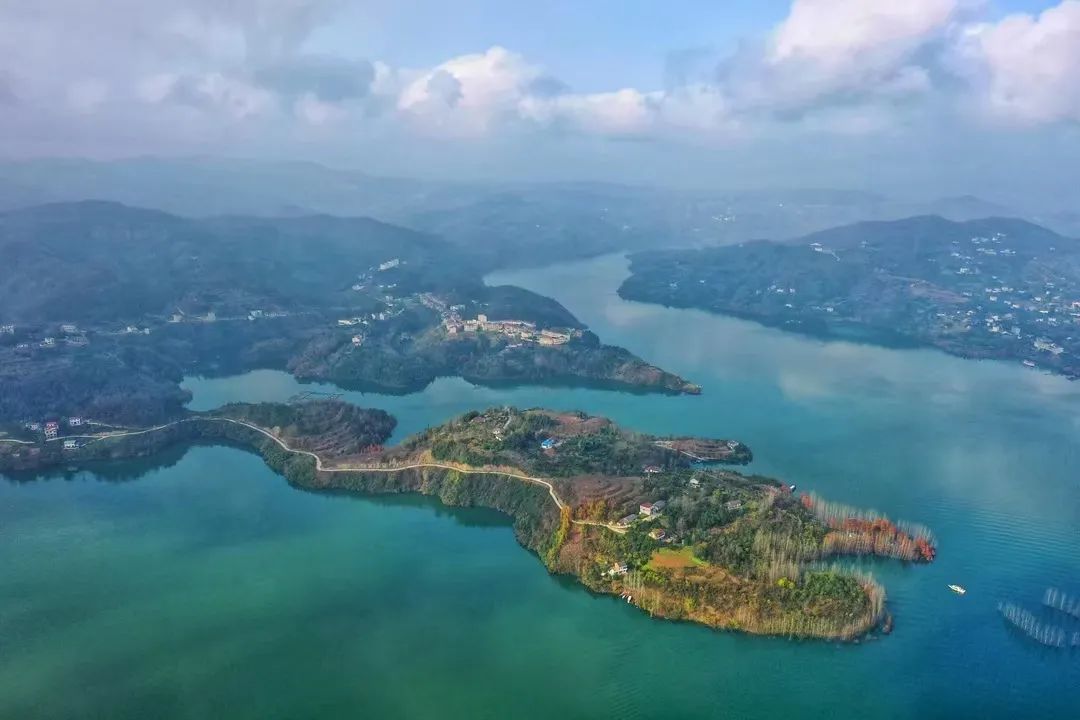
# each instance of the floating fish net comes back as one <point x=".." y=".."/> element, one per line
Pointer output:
<point x="1058" y="600"/>
<point x="1046" y="634"/>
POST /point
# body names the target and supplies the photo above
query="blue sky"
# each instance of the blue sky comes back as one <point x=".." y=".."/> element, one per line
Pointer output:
<point x="597" y="44"/>
<point x="944" y="95"/>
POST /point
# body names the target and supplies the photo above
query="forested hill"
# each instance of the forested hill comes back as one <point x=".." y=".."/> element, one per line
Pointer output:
<point x="105" y="308"/>
<point x="929" y="233"/>
<point x="995" y="288"/>
<point x="98" y="261"/>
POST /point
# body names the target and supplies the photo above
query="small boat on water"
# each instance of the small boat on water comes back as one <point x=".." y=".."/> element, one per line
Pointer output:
<point x="1028" y="363"/>
<point x="958" y="589"/>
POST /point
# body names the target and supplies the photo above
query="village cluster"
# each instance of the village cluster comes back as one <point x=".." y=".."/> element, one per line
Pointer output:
<point x="1041" y="313"/>
<point x="647" y="512"/>
<point x="69" y="335"/>
<point x="450" y="315"/>
<point x="521" y="330"/>
<point x="51" y="430"/>
<point x="1032" y="313"/>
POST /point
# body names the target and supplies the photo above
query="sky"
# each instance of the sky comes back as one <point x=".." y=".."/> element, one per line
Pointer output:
<point x="943" y="96"/>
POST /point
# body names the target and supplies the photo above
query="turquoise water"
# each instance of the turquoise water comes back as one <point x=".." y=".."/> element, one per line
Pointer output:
<point x="207" y="587"/>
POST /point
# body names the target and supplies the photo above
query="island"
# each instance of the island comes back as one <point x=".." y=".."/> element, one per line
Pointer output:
<point x="664" y="523"/>
<point x="995" y="288"/>
<point x="104" y="309"/>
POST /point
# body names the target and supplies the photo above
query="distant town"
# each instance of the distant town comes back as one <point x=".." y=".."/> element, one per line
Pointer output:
<point x="993" y="288"/>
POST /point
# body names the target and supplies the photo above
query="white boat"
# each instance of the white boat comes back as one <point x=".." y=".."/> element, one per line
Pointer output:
<point x="958" y="589"/>
<point x="1028" y="363"/>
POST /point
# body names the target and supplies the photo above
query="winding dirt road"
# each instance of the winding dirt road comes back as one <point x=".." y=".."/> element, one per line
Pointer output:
<point x="323" y="467"/>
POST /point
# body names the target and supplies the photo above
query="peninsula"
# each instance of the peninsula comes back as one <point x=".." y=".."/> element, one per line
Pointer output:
<point x="996" y="288"/>
<point x="657" y="521"/>
<point x="104" y="309"/>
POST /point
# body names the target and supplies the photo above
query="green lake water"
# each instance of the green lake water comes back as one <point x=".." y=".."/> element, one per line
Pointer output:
<point x="201" y="585"/>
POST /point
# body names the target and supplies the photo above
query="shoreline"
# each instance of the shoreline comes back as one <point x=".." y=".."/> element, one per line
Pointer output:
<point x="543" y="522"/>
<point x="867" y="336"/>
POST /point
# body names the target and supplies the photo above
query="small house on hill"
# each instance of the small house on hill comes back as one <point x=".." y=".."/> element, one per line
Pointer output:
<point x="651" y="509"/>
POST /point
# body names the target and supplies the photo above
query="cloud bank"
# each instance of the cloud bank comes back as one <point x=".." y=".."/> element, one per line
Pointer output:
<point x="146" y="77"/>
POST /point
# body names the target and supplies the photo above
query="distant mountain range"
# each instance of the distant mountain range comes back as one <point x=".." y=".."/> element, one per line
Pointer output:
<point x="501" y="224"/>
<point x="103" y="261"/>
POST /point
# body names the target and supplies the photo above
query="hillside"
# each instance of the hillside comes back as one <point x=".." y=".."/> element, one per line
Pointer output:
<point x="502" y="224"/>
<point x="992" y="288"/>
<point x="105" y="308"/>
<point x="626" y="513"/>
<point x="99" y="261"/>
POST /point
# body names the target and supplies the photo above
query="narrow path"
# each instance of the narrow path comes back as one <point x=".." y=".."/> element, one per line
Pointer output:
<point x="559" y="502"/>
<point x="120" y="433"/>
<point x="322" y="467"/>
<point x="666" y="444"/>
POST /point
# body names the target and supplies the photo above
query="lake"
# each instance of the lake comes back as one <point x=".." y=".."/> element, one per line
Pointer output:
<point x="200" y="584"/>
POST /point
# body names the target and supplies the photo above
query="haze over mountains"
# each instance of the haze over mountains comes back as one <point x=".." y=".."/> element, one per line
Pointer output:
<point x="506" y="223"/>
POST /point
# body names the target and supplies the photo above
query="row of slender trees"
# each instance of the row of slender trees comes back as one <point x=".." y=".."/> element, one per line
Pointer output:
<point x="859" y="532"/>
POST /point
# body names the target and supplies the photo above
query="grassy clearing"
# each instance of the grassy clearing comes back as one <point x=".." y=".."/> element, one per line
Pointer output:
<point x="672" y="558"/>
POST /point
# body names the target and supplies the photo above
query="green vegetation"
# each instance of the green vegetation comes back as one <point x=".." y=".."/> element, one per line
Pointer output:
<point x="329" y="428"/>
<point x="994" y="288"/>
<point x="105" y="308"/>
<point x="552" y="444"/>
<point x="703" y="544"/>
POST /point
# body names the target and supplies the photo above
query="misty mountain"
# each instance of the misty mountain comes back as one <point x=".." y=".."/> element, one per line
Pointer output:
<point x="500" y="224"/>
<point x="107" y="261"/>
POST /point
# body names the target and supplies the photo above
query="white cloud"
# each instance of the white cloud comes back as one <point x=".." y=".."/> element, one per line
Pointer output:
<point x="317" y="112"/>
<point x="841" y="67"/>
<point x="478" y="94"/>
<point x="469" y="94"/>
<point x="210" y="92"/>
<point x="1029" y="66"/>
<point x="831" y="34"/>
<point x="625" y="112"/>
<point x="829" y="52"/>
